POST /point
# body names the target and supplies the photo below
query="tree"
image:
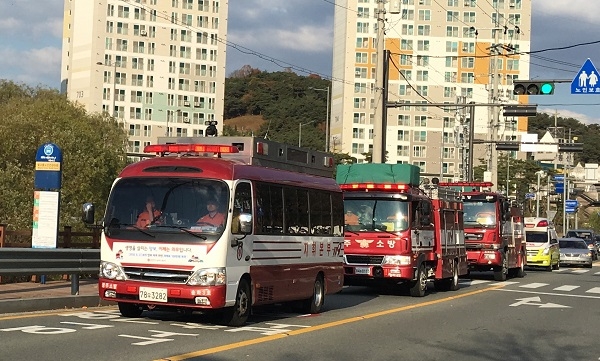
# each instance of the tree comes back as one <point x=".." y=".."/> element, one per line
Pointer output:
<point x="93" y="147"/>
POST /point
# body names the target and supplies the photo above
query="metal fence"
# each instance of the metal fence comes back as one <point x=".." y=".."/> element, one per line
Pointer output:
<point x="50" y="261"/>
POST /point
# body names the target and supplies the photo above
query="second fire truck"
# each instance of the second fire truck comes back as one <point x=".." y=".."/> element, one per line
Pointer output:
<point x="397" y="232"/>
<point x="493" y="231"/>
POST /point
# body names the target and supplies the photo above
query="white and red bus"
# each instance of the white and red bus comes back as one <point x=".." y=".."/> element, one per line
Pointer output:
<point x="281" y="239"/>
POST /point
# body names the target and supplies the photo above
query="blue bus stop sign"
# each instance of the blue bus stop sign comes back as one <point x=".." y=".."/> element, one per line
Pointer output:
<point x="48" y="167"/>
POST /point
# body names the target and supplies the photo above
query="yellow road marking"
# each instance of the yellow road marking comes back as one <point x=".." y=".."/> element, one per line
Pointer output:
<point x="235" y="345"/>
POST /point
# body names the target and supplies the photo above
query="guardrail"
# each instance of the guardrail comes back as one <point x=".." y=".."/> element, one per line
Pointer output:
<point x="47" y="261"/>
<point x="67" y="238"/>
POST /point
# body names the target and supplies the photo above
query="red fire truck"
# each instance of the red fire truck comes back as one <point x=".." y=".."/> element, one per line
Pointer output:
<point x="397" y="232"/>
<point x="493" y="231"/>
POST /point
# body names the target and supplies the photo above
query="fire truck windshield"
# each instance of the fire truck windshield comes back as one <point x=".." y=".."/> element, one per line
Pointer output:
<point x="479" y="214"/>
<point x="387" y="215"/>
<point x="177" y="206"/>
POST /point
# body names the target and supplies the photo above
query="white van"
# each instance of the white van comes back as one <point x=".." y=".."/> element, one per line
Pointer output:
<point x="542" y="243"/>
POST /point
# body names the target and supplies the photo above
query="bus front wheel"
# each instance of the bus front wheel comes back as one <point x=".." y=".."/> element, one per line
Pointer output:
<point x="238" y="314"/>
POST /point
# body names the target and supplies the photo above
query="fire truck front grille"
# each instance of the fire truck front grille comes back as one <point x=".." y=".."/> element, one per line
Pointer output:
<point x="372" y="260"/>
<point x="157" y="275"/>
<point x="473" y="246"/>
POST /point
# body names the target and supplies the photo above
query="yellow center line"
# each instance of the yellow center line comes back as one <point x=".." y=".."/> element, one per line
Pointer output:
<point x="255" y="341"/>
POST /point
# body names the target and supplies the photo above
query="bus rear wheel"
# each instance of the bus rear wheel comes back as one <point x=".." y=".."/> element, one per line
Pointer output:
<point x="238" y="314"/>
<point x="315" y="303"/>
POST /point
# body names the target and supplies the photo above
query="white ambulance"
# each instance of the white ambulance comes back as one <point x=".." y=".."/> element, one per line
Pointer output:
<point x="542" y="243"/>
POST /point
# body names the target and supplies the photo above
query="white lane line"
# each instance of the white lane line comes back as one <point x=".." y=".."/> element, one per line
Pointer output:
<point x="547" y="293"/>
<point x="593" y="290"/>
<point x="580" y="270"/>
<point x="566" y="288"/>
<point x="561" y="270"/>
<point x="473" y="282"/>
<point x="534" y="285"/>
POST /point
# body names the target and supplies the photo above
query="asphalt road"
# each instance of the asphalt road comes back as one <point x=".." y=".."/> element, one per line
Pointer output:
<point x="544" y="316"/>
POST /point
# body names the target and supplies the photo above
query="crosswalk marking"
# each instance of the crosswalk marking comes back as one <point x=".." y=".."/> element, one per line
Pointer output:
<point x="597" y="273"/>
<point x="561" y="270"/>
<point x="593" y="290"/>
<point x="534" y="285"/>
<point x="566" y="288"/>
<point x="473" y="282"/>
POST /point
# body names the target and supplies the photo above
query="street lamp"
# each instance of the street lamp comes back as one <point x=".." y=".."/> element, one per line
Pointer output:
<point x="326" y="117"/>
<point x="300" y="125"/>
<point x="114" y="85"/>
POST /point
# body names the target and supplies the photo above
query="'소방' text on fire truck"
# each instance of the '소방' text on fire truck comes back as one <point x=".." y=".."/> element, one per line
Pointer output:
<point x="397" y="232"/>
<point x="278" y="238"/>
<point x="493" y="231"/>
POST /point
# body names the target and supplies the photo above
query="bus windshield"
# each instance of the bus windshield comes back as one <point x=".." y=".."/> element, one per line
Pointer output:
<point x="376" y="215"/>
<point x="479" y="213"/>
<point x="170" y="205"/>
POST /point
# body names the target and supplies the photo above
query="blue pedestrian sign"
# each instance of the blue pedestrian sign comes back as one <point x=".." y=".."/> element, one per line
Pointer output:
<point x="571" y="203"/>
<point x="586" y="80"/>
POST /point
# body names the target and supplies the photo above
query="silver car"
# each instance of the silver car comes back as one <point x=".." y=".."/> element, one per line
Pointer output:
<point x="574" y="251"/>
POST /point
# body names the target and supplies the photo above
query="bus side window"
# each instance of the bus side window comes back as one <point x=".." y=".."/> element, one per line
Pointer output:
<point x="242" y="206"/>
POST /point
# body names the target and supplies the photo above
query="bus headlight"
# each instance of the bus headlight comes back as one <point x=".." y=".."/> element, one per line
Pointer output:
<point x="396" y="260"/>
<point x="112" y="271"/>
<point x="208" y="277"/>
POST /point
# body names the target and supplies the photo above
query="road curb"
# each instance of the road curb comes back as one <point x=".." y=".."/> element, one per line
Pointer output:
<point x="51" y="303"/>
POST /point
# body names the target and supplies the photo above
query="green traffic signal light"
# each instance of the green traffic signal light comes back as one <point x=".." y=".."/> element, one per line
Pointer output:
<point x="533" y="88"/>
<point x="547" y="88"/>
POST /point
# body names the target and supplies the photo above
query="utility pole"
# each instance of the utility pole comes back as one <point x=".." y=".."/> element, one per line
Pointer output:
<point x="494" y="121"/>
<point x="378" y="155"/>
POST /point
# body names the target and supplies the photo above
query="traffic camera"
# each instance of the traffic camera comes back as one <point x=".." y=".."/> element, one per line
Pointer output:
<point x="211" y="130"/>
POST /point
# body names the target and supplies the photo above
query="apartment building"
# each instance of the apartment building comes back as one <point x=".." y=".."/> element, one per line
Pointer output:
<point x="441" y="51"/>
<point x="156" y="65"/>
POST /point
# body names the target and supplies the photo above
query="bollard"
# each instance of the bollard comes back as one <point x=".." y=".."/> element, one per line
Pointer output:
<point x="75" y="284"/>
<point x="43" y="279"/>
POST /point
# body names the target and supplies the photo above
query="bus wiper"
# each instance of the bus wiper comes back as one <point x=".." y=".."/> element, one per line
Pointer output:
<point x="114" y="223"/>
<point x="186" y="230"/>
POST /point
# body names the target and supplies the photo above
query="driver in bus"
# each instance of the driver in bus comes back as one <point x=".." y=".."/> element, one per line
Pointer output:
<point x="213" y="217"/>
<point x="150" y="215"/>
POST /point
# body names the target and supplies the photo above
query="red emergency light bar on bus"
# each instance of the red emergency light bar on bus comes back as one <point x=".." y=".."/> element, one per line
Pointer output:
<point x="375" y="186"/>
<point x="189" y="148"/>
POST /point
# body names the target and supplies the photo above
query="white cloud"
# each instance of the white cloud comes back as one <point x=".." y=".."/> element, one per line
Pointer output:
<point x="32" y="66"/>
<point x="585" y="10"/>
<point x="565" y="113"/>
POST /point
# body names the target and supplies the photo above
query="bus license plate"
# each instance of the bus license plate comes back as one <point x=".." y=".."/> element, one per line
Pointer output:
<point x="362" y="270"/>
<point x="153" y="294"/>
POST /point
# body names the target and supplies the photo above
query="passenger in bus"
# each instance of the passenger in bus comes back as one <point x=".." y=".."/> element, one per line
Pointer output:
<point x="213" y="217"/>
<point x="150" y="215"/>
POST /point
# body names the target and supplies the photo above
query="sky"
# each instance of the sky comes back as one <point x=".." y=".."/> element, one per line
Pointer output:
<point x="273" y="34"/>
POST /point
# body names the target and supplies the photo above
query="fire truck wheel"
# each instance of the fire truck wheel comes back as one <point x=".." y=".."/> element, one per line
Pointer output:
<point x="130" y="310"/>
<point x="501" y="272"/>
<point x="418" y="287"/>
<point x="238" y="314"/>
<point x="521" y="270"/>
<point x="315" y="303"/>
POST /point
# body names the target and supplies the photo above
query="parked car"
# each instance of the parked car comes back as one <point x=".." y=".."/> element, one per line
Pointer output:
<point x="589" y="236"/>
<point x="574" y="251"/>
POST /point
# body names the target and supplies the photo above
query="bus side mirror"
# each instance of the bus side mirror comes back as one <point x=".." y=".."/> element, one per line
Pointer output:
<point x="246" y="223"/>
<point x="87" y="216"/>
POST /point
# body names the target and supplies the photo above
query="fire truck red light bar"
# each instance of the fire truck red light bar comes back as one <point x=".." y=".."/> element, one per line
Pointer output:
<point x="375" y="186"/>
<point x="187" y="148"/>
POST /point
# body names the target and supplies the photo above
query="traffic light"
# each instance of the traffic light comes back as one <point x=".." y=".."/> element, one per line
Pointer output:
<point x="529" y="87"/>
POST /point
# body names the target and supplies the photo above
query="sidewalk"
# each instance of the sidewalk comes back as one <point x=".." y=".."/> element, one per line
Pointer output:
<point x="53" y="295"/>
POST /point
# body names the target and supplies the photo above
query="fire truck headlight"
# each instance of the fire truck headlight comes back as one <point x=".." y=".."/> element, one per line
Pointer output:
<point x="208" y="277"/>
<point x="112" y="271"/>
<point x="396" y="260"/>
